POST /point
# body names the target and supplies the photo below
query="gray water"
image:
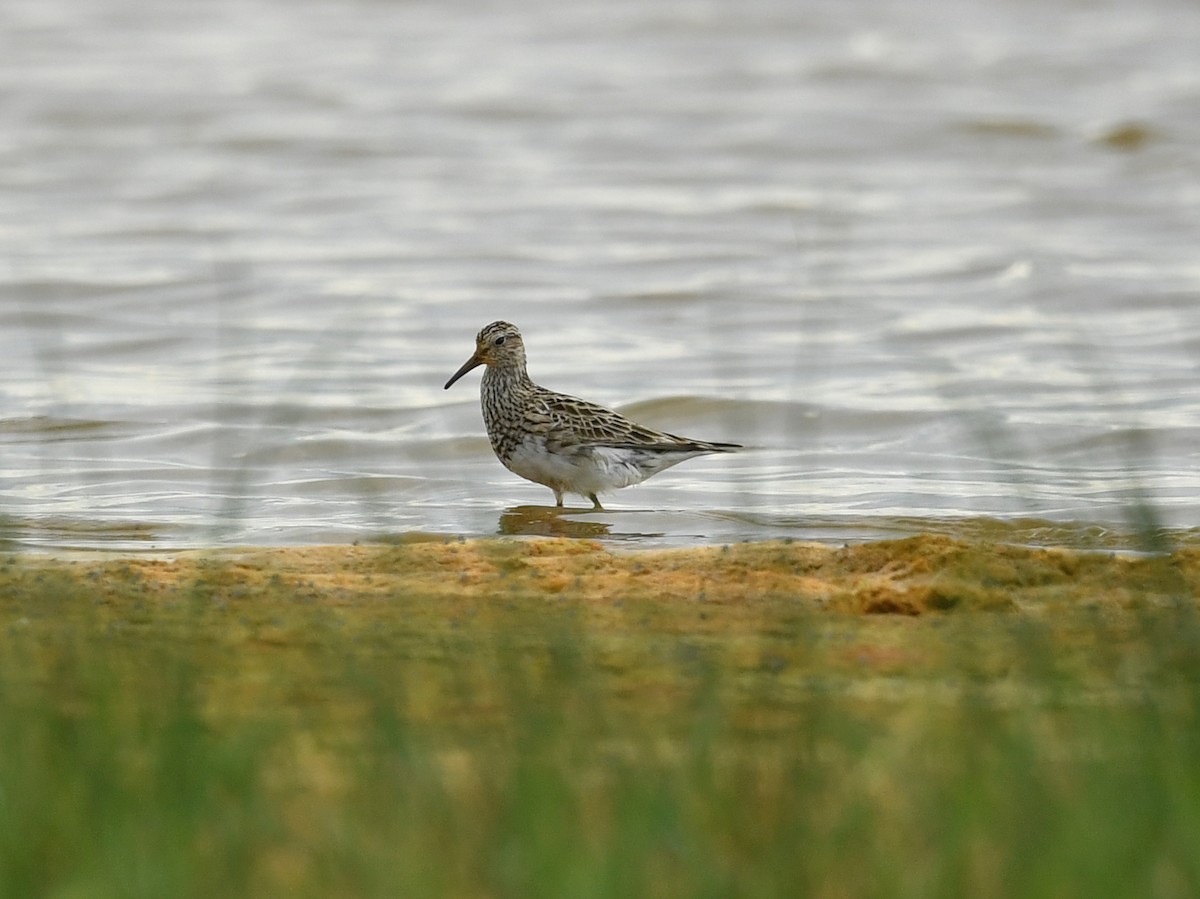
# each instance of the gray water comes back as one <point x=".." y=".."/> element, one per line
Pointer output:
<point x="938" y="265"/>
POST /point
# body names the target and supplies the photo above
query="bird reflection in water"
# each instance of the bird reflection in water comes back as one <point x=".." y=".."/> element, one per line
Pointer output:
<point x="543" y="521"/>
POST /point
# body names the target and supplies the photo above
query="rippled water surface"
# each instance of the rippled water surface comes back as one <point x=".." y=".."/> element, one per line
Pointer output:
<point x="937" y="266"/>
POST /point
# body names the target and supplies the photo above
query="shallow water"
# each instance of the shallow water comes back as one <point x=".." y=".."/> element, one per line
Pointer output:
<point x="934" y="266"/>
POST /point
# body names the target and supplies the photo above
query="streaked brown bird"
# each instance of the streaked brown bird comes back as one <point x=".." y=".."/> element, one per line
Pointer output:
<point x="567" y="444"/>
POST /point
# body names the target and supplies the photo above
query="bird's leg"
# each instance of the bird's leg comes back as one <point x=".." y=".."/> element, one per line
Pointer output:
<point x="596" y="507"/>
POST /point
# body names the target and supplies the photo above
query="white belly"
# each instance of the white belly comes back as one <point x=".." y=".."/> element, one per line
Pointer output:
<point x="589" y="469"/>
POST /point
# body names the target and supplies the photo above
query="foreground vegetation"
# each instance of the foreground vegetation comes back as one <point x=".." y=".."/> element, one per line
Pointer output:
<point x="915" y="718"/>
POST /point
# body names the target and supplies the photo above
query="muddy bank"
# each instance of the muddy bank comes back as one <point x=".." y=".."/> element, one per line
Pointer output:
<point x="912" y="577"/>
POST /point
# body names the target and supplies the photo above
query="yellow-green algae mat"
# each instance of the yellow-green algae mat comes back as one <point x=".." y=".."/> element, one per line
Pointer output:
<point x="920" y="717"/>
<point x="912" y="576"/>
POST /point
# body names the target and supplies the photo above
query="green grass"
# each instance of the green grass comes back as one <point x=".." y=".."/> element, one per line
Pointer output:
<point x="206" y="742"/>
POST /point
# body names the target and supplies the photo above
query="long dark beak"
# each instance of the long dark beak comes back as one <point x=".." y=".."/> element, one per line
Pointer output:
<point x="473" y="362"/>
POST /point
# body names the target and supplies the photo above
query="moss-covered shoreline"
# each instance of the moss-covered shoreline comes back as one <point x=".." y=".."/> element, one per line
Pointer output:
<point x="911" y="576"/>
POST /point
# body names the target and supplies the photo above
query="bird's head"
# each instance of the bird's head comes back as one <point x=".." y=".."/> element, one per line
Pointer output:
<point x="499" y="345"/>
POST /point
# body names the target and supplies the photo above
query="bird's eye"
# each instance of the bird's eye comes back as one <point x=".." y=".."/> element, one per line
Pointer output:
<point x="499" y="341"/>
